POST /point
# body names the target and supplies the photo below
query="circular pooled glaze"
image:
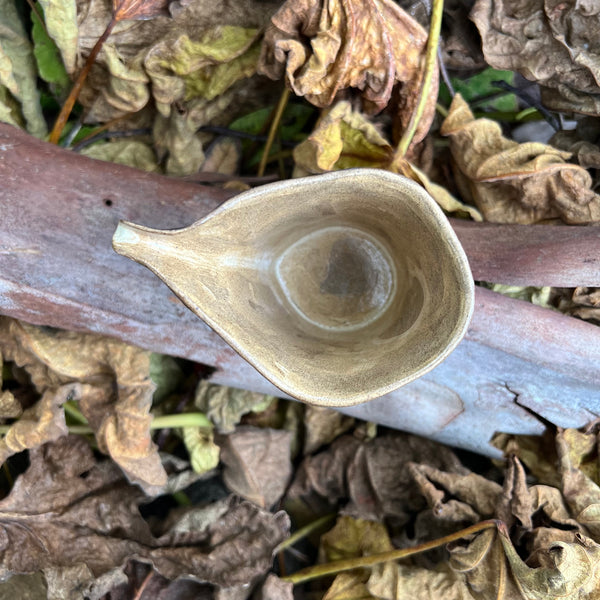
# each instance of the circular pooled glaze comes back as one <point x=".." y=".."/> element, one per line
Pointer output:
<point x="338" y="288"/>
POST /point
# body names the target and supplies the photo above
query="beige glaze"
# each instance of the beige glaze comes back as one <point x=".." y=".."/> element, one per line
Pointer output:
<point x="338" y="288"/>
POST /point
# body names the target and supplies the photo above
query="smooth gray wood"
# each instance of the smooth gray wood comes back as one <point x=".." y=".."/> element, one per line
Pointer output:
<point x="57" y="268"/>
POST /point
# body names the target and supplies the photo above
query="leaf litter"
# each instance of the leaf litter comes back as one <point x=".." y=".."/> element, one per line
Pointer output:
<point x="72" y="523"/>
<point x="75" y="517"/>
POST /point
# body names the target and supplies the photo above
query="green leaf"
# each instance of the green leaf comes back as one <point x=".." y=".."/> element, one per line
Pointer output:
<point x="18" y="70"/>
<point x="47" y="56"/>
<point x="166" y="374"/>
<point x="61" y="23"/>
<point x="294" y="119"/>
<point x="204" y="453"/>
<point x="480" y="86"/>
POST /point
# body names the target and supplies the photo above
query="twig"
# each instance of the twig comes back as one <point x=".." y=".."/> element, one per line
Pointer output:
<point x="349" y="564"/>
<point x="225" y="131"/>
<point x="283" y="100"/>
<point x="103" y="135"/>
<point x="428" y="70"/>
<point x="444" y="73"/>
<point x="140" y="590"/>
<point x="36" y="12"/>
<point x="67" y="107"/>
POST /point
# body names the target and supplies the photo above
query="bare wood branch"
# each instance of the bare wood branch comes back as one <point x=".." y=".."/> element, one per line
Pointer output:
<point x="57" y="268"/>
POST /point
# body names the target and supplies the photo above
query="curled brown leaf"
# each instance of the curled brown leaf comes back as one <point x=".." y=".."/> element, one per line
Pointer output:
<point x="113" y="388"/>
<point x="257" y="463"/>
<point x="552" y="42"/>
<point x="512" y="182"/>
<point x="68" y="509"/>
<point x="371" y="46"/>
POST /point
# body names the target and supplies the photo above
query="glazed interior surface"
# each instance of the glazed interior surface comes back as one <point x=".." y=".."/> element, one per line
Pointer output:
<point x="342" y="293"/>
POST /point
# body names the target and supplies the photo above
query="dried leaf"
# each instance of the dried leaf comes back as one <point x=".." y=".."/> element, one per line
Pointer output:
<point x="114" y="391"/>
<point x="567" y="571"/>
<point x="582" y="302"/>
<point x="68" y="510"/>
<point x="352" y="538"/>
<point x="440" y="194"/>
<point x="511" y="182"/>
<point x="180" y="143"/>
<point x="138" y="9"/>
<point x="322" y="426"/>
<point x="204" y="453"/>
<point x="223" y="156"/>
<point x="257" y="463"/>
<point x="320" y="481"/>
<point x="482" y="564"/>
<point x="126" y="89"/>
<point x="10" y="407"/>
<point x="344" y="138"/>
<point x="553" y="43"/>
<point x="18" y="70"/>
<point x="455" y="500"/>
<point x="373" y="474"/>
<point x="183" y="68"/>
<point x="60" y="17"/>
<point x="540" y="296"/>
<point x="67" y="582"/>
<point x="166" y="374"/>
<point x="325" y="48"/>
<point x="405" y="582"/>
<point x="225" y="406"/>
<point x="379" y="482"/>
<point x="124" y="152"/>
<point x="43" y="422"/>
<point x="460" y="42"/>
<point x="537" y="452"/>
<point x="580" y="490"/>
<point x="24" y="587"/>
<point x="178" y="63"/>
<point x="348" y="586"/>
<point x="140" y="578"/>
<point x="9" y="108"/>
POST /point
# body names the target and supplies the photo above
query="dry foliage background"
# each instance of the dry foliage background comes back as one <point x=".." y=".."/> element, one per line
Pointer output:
<point x="127" y="475"/>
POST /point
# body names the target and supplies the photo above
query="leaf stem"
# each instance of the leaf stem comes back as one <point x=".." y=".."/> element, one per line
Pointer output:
<point x="160" y="422"/>
<point x="428" y="70"/>
<point x="349" y="564"/>
<point x="304" y="531"/>
<point x="67" y="107"/>
<point x="283" y="100"/>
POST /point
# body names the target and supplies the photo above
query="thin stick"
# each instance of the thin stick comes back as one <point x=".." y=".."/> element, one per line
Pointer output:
<point x="283" y="100"/>
<point x="67" y="107"/>
<point x="304" y="531"/>
<point x="430" y="66"/>
<point x="375" y="559"/>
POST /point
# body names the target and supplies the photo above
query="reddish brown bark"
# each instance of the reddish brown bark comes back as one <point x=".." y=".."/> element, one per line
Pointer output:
<point x="57" y="267"/>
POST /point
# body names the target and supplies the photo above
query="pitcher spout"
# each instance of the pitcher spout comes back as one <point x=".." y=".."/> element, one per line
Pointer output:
<point x="152" y="247"/>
